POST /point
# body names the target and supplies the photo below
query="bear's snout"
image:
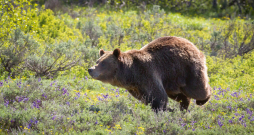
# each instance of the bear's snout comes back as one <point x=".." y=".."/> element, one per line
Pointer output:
<point x="93" y="73"/>
<point x="90" y="70"/>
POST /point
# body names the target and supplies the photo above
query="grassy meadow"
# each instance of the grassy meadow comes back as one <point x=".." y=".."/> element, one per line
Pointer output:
<point x="45" y="87"/>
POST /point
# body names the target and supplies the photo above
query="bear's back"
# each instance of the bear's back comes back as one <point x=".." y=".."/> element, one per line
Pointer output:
<point x="174" y="47"/>
<point x="169" y="41"/>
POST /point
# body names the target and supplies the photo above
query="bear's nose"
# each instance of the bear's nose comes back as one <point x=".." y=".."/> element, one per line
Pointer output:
<point x="90" y="70"/>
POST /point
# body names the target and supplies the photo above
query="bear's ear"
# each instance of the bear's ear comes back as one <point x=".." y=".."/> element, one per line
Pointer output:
<point x="117" y="52"/>
<point x="101" y="52"/>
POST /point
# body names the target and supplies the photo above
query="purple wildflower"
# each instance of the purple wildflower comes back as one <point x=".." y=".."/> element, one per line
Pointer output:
<point x="216" y="97"/>
<point x="208" y="127"/>
<point x="64" y="91"/>
<point x="105" y="96"/>
<point x="85" y="94"/>
<point x="37" y="103"/>
<point x="244" y="124"/>
<point x="249" y="111"/>
<point x="241" y="118"/>
<point x="18" y="84"/>
<point x="235" y="94"/>
<point x="36" y="121"/>
<point x="86" y="78"/>
<point x="1" y="84"/>
<point x="44" y="95"/>
<point x="39" y="80"/>
<point x="252" y="119"/>
<point x="219" y="92"/>
<point x="164" y="131"/>
<point x="220" y="123"/>
<point x="68" y="103"/>
<point x="183" y="124"/>
<point x="54" y="117"/>
<point x="96" y="122"/>
<point x="117" y="90"/>
<point x="6" y="103"/>
<point x="99" y="99"/>
<point x="193" y="129"/>
<point x="19" y="98"/>
<point x="78" y="94"/>
<point x="25" y="99"/>
<point x="29" y="126"/>
<point x="31" y="120"/>
<point x="193" y="122"/>
<point x="230" y="121"/>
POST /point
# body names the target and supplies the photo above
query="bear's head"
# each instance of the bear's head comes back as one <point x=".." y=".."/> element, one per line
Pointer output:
<point x="106" y="66"/>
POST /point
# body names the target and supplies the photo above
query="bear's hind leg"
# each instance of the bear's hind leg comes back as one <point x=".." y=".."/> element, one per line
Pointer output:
<point x="184" y="100"/>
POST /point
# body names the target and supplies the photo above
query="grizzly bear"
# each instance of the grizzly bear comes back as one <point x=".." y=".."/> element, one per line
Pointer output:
<point x="166" y="67"/>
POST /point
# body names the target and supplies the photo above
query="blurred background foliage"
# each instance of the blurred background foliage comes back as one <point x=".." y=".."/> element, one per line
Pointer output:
<point x="48" y="38"/>
<point x="208" y="8"/>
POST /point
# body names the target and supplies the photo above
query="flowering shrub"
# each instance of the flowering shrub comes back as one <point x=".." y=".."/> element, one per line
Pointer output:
<point x="15" y="50"/>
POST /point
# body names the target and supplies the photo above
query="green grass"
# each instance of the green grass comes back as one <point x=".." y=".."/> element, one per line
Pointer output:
<point x="73" y="103"/>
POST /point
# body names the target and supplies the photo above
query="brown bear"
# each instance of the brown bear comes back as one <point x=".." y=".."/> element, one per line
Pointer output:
<point x="166" y="67"/>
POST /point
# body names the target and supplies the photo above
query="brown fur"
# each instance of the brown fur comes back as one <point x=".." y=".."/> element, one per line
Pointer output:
<point x="167" y="67"/>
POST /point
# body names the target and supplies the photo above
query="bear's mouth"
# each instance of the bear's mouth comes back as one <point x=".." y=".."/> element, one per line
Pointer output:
<point x="93" y="74"/>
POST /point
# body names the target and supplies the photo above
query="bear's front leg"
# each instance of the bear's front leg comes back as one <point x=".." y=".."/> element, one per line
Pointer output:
<point x="156" y="97"/>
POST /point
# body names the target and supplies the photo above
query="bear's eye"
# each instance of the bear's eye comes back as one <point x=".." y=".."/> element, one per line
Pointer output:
<point x="102" y="64"/>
